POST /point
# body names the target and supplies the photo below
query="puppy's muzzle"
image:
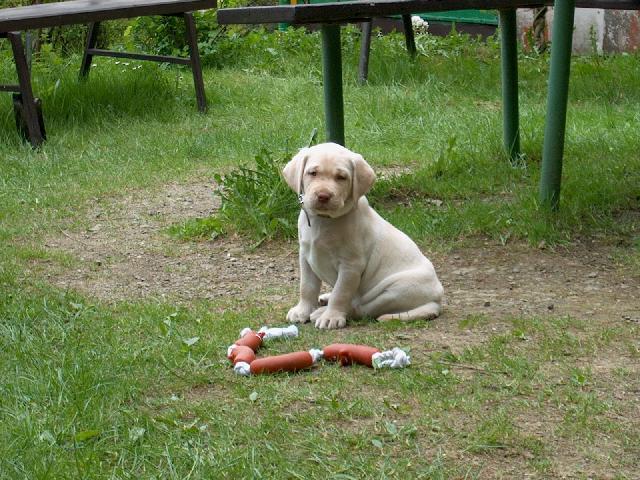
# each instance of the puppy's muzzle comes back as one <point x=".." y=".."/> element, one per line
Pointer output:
<point x="323" y="198"/>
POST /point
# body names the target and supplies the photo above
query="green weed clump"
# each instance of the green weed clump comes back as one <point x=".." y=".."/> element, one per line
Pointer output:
<point x="255" y="201"/>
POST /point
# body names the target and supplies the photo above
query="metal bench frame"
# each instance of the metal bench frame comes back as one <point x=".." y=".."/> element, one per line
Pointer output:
<point x="330" y="15"/>
<point x="15" y="20"/>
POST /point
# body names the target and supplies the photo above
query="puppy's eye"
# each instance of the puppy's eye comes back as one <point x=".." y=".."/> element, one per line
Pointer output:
<point x="312" y="173"/>
<point x="341" y="177"/>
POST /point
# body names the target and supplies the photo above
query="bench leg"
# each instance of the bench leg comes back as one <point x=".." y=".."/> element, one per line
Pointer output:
<point x="557" y="97"/>
<point x="365" y="49"/>
<point x="509" y="57"/>
<point x="194" y="56"/>
<point x="409" y="39"/>
<point x="29" y="108"/>
<point x="332" y="82"/>
<point x="87" y="58"/>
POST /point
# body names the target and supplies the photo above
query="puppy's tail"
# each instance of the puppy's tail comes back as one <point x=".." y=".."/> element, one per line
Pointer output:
<point x="427" y="311"/>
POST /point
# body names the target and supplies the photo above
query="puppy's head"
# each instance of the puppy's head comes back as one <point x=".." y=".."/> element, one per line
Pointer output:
<point x="329" y="177"/>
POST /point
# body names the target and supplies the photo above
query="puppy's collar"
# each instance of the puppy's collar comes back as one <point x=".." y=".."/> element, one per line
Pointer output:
<point x="301" y="202"/>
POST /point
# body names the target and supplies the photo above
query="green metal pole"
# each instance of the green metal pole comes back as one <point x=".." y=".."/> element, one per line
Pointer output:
<point x="509" y="56"/>
<point x="283" y="26"/>
<point x="563" y="13"/>
<point x="332" y="80"/>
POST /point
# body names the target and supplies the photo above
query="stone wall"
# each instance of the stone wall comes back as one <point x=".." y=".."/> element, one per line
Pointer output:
<point x="595" y="29"/>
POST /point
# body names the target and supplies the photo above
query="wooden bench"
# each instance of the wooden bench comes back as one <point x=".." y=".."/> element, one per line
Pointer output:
<point x="13" y="21"/>
<point x="330" y="15"/>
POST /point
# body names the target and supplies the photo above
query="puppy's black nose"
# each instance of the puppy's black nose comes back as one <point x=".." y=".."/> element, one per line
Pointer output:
<point x="323" y="197"/>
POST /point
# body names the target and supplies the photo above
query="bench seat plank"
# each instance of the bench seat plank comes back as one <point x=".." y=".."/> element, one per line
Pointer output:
<point x="360" y="10"/>
<point x="88" y="11"/>
<point x="353" y="11"/>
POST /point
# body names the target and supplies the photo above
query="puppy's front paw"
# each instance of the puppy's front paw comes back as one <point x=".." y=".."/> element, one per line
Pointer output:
<point x="300" y="313"/>
<point x="330" y="319"/>
<point x="317" y="313"/>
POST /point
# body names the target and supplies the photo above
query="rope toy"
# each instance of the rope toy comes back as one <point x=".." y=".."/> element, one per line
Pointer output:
<point x="242" y="354"/>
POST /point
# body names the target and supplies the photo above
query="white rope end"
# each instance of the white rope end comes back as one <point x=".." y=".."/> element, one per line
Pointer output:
<point x="242" y="368"/>
<point x="316" y="355"/>
<point x="278" y="332"/>
<point x="396" y="358"/>
<point x="244" y="331"/>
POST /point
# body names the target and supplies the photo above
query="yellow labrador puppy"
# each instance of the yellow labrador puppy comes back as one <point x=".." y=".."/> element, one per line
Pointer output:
<point x="375" y="269"/>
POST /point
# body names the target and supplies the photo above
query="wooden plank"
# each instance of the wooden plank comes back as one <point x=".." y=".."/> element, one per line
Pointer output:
<point x="98" y="52"/>
<point x="358" y="11"/>
<point x="88" y="11"/>
<point x="607" y="4"/>
<point x="355" y="11"/>
<point x="33" y="125"/>
<point x="194" y="58"/>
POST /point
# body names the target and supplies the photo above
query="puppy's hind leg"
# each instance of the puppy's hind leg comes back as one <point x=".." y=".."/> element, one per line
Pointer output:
<point x="323" y="300"/>
<point x="427" y="311"/>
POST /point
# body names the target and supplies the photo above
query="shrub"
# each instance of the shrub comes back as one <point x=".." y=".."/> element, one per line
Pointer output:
<point x="167" y="35"/>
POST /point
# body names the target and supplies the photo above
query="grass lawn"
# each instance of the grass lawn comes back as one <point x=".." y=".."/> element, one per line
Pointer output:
<point x="544" y="383"/>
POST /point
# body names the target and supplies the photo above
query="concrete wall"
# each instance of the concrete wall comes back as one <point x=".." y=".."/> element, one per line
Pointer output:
<point x="595" y="29"/>
<point x="622" y="31"/>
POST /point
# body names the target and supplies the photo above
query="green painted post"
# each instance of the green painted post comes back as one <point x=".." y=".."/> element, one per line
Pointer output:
<point x="332" y="80"/>
<point x="283" y="26"/>
<point x="563" y="13"/>
<point x="509" y="57"/>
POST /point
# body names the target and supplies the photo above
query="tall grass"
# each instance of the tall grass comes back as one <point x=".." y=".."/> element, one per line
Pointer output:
<point x="439" y="115"/>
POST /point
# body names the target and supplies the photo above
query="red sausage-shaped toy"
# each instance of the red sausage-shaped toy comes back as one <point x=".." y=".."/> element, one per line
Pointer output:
<point x="347" y="354"/>
<point x="241" y="353"/>
<point x="250" y="339"/>
<point x="289" y="362"/>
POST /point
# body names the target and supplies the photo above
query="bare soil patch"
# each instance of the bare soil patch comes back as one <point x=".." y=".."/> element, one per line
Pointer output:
<point x="125" y="253"/>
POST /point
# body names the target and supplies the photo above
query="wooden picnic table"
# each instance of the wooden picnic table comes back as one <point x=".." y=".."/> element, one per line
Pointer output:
<point x="13" y="21"/>
<point x="330" y="15"/>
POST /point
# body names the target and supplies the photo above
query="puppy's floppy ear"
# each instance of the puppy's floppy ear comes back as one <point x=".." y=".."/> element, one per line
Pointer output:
<point x="293" y="170"/>
<point x="363" y="176"/>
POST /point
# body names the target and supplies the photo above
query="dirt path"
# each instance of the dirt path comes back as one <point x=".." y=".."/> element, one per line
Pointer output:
<point x="125" y="253"/>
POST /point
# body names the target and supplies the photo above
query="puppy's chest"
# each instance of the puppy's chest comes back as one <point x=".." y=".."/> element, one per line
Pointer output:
<point x="323" y="258"/>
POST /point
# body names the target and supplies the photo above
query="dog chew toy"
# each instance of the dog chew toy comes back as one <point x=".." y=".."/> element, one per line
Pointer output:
<point x="240" y="353"/>
<point x="288" y="362"/>
<point x="277" y="332"/>
<point x="348" y="354"/>
<point x="243" y="354"/>
<point x="249" y="338"/>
